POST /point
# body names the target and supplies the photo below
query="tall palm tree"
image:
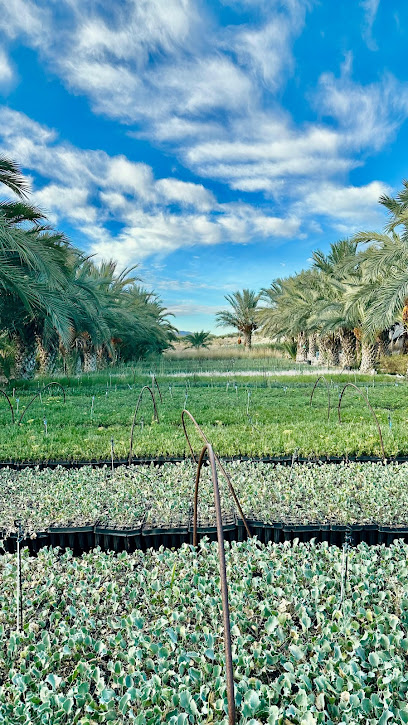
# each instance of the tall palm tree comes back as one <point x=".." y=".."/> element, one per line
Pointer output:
<point x="384" y="264"/>
<point x="131" y="321"/>
<point x="243" y="314"/>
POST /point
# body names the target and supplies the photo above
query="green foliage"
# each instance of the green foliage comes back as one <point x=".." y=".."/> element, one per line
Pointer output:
<point x="106" y="639"/>
<point x="53" y="297"/>
<point x="278" y="420"/>
<point x="243" y="314"/>
<point x="198" y="339"/>
<point x="291" y="348"/>
<point x="353" y="493"/>
<point x="394" y="364"/>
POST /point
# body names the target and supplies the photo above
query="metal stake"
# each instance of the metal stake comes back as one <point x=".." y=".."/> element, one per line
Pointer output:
<point x="223" y="574"/>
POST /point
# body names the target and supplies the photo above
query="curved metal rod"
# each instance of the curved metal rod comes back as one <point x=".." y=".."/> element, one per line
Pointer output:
<point x="10" y="404"/>
<point x="37" y="395"/>
<point x="205" y="439"/>
<point x="321" y="377"/>
<point x="223" y="573"/>
<point x="155" y="383"/>
<point x="351" y="385"/>
<point x="139" y="400"/>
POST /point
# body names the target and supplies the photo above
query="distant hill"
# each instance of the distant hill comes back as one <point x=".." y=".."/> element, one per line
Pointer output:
<point x="183" y="333"/>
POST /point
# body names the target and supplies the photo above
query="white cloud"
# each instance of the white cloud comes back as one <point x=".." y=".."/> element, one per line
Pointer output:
<point x="368" y="116"/>
<point x="174" y="190"/>
<point x="209" y="95"/>
<point x="6" y="71"/>
<point x="26" y="18"/>
<point x="129" y="177"/>
<point x="190" y="308"/>
<point x="350" y="207"/>
<point x="61" y="201"/>
<point x="156" y="216"/>
<point x="370" y="8"/>
<point x="267" y="48"/>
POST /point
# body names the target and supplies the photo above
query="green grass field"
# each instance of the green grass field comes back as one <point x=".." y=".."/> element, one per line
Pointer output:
<point x="242" y="415"/>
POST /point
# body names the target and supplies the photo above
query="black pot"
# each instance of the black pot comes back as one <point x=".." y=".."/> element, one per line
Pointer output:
<point x="273" y="532"/>
<point x="209" y="529"/>
<point x="112" y="538"/>
<point x="387" y="534"/>
<point x="77" y="538"/>
<point x="34" y="544"/>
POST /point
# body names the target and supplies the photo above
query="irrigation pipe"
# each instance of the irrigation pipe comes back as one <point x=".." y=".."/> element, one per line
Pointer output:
<point x="328" y="393"/>
<point x="365" y="398"/>
<point x="19" y="596"/>
<point x="156" y="415"/>
<point x="223" y="573"/>
<point x="219" y="464"/>
<point x="155" y="383"/>
<point x="10" y="404"/>
<point x="38" y="395"/>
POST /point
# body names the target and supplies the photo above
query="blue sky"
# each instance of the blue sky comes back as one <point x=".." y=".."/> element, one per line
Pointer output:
<point x="214" y="143"/>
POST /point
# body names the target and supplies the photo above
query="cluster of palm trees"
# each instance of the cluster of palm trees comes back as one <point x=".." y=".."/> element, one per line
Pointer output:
<point x="58" y="304"/>
<point x="351" y="300"/>
<point x="347" y="307"/>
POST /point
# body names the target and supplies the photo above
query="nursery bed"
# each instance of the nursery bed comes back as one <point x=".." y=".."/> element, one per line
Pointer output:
<point x="138" y="637"/>
<point x="138" y="507"/>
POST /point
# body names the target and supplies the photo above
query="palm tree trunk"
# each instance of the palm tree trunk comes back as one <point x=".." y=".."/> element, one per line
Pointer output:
<point x="89" y="361"/>
<point x="330" y="348"/>
<point x="348" y="346"/>
<point x="384" y="344"/>
<point x="369" y="351"/>
<point x="25" y="359"/>
<point x="46" y="356"/>
<point x="101" y="361"/>
<point x="313" y="348"/>
<point x="302" y="347"/>
<point x="248" y="339"/>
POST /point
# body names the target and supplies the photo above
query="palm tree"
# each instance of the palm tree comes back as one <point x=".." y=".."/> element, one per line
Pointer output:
<point x="289" y="311"/>
<point x="198" y="339"/>
<point x="384" y="264"/>
<point x="243" y="314"/>
<point x="131" y="322"/>
<point x="11" y="176"/>
<point x="338" y="270"/>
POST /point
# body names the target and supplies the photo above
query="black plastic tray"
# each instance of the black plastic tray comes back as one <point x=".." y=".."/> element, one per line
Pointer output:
<point x="153" y="535"/>
<point x="161" y="460"/>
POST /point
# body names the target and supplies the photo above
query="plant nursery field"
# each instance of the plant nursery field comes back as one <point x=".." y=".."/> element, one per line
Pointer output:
<point x="138" y="638"/>
<point x="143" y="499"/>
<point x="258" y="416"/>
<point x="110" y="615"/>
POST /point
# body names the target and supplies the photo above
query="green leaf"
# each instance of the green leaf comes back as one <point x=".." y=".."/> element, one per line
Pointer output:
<point x="68" y="704"/>
<point x="297" y="652"/>
<point x="373" y="659"/>
<point x="252" y="700"/>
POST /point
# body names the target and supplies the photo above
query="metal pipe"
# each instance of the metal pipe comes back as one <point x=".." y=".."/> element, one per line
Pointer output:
<point x="10" y="404"/>
<point x="205" y="439"/>
<point x="328" y="394"/>
<point x="155" y="383"/>
<point x="139" y="400"/>
<point x="223" y="573"/>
